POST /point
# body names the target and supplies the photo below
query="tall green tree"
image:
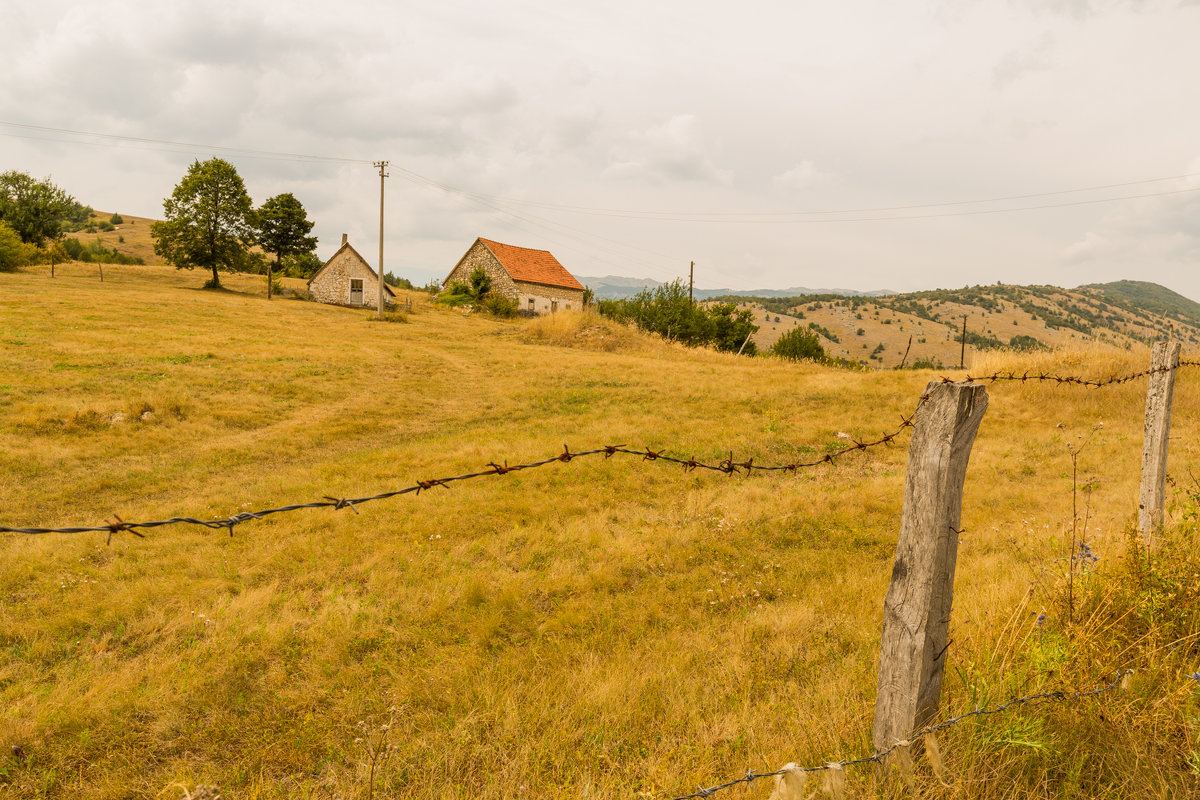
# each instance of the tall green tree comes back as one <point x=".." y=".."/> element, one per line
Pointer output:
<point x="206" y="220"/>
<point x="35" y="209"/>
<point x="281" y="227"/>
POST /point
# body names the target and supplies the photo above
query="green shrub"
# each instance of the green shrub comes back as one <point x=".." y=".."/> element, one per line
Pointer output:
<point x="105" y="225"/>
<point x="116" y="219"/>
<point x="93" y="252"/>
<point x="481" y="284"/>
<point x="821" y="329"/>
<point x="668" y="311"/>
<point x="500" y="306"/>
<point x="456" y="294"/>
<point x="799" y="344"/>
<point x="1026" y="343"/>
<point x="13" y="252"/>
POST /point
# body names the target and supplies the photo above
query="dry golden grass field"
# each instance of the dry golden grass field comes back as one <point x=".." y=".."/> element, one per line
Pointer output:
<point x="599" y="629"/>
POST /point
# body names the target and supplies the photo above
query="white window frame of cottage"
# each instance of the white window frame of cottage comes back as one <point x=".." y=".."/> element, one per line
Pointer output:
<point x="553" y="306"/>
<point x="532" y="306"/>
<point x="362" y="291"/>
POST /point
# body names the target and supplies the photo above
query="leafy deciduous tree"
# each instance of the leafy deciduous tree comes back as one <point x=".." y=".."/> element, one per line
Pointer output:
<point x="281" y="227"/>
<point x="34" y="209"/>
<point x="206" y="220"/>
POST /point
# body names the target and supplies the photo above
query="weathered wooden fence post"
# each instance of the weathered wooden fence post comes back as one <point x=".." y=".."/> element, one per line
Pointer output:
<point x="916" y="613"/>
<point x="1164" y="359"/>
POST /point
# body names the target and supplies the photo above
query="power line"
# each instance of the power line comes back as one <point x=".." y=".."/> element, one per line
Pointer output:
<point x="764" y="216"/>
<point x="775" y="217"/>
<point x="189" y="145"/>
<point x="712" y="220"/>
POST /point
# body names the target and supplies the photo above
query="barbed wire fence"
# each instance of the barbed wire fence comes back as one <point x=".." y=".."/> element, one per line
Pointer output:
<point x="727" y="466"/>
<point x="885" y="748"/>
<point x="1095" y="383"/>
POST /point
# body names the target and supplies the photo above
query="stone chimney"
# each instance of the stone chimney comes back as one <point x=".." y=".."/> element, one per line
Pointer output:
<point x="345" y="238"/>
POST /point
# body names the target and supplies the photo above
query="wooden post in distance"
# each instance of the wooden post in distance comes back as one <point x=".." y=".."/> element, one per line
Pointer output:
<point x="916" y="612"/>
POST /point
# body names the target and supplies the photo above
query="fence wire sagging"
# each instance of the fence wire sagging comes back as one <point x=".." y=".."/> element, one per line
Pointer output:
<point x="1047" y="377"/>
<point x="727" y="466"/>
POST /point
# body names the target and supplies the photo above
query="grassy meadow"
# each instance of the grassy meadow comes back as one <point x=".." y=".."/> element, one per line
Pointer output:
<point x="600" y="629"/>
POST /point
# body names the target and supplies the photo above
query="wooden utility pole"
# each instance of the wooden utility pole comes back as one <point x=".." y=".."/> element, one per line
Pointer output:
<point x="916" y="613"/>
<point x="691" y="281"/>
<point x="962" y="353"/>
<point x="1164" y="359"/>
<point x="382" y="174"/>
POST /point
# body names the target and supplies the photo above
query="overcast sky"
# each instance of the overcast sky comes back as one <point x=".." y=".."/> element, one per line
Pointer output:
<point x="630" y="137"/>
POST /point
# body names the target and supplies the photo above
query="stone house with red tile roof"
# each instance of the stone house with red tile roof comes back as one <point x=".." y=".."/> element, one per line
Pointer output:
<point x="533" y="278"/>
<point x="347" y="279"/>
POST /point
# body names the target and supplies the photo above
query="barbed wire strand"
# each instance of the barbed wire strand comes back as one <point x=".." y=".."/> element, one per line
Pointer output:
<point x="1033" y="699"/>
<point x="727" y="466"/>
<point x="1069" y="379"/>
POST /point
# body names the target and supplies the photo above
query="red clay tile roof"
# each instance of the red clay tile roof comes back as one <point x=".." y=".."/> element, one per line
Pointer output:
<point x="532" y="266"/>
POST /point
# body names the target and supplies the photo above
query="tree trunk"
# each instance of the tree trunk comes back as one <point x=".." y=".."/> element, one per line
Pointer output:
<point x="216" y="280"/>
<point x="270" y="275"/>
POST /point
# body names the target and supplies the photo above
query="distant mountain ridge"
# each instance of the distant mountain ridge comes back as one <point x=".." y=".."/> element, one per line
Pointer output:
<point x="614" y="287"/>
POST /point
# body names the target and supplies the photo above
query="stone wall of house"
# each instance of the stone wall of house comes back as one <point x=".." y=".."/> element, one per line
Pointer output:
<point x="332" y="285"/>
<point x="479" y="257"/>
<point x="541" y="299"/>
<point x="536" y="298"/>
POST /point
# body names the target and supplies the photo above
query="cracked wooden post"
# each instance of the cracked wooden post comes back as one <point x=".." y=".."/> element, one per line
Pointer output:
<point x="916" y="612"/>
<point x="1164" y="359"/>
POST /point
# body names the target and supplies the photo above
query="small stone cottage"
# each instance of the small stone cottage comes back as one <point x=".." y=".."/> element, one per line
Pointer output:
<point x="348" y="280"/>
<point x="533" y="278"/>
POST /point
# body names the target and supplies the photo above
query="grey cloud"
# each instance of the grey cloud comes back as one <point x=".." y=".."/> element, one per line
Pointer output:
<point x="1019" y="63"/>
<point x="673" y="150"/>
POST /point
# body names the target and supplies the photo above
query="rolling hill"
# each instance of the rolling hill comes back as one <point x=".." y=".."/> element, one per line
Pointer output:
<point x="877" y="331"/>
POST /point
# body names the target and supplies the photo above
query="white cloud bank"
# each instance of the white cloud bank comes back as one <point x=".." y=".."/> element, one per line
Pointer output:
<point x="759" y="107"/>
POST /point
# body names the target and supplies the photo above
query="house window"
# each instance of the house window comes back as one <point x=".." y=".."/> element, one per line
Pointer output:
<point x="531" y="304"/>
<point x="356" y="291"/>
<point x="568" y="306"/>
<point x="553" y="306"/>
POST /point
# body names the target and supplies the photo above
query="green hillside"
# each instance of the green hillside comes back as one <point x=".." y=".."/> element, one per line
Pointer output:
<point x="927" y="326"/>
<point x="1149" y="298"/>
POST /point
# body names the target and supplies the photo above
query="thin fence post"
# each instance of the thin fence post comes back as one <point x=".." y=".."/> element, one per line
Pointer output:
<point x="1160" y="392"/>
<point x="916" y="612"/>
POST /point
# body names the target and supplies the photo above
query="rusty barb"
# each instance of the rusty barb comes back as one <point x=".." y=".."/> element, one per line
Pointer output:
<point x="1047" y="377"/>
<point x="727" y="466"/>
<point x="1033" y="699"/>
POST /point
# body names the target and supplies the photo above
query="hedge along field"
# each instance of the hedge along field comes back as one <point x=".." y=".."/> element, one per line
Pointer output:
<point x="604" y="628"/>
